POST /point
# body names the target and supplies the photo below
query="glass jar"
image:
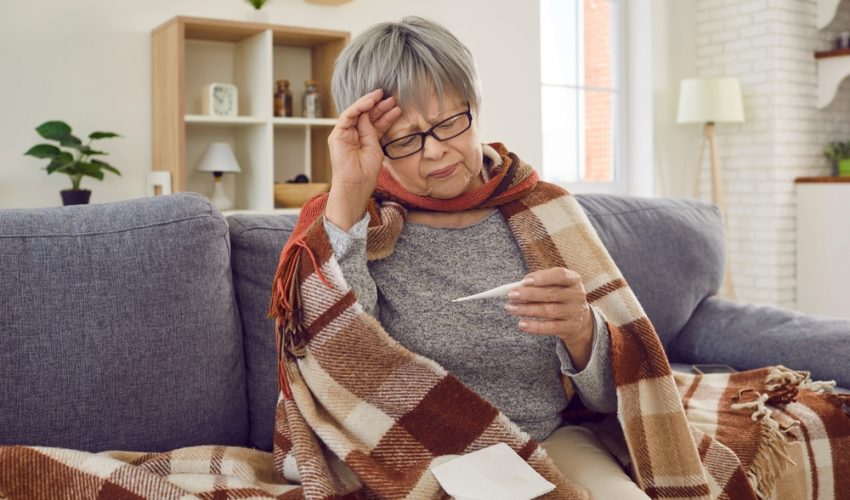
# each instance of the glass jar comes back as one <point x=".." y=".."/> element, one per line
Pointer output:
<point x="311" y="103"/>
<point x="283" y="99"/>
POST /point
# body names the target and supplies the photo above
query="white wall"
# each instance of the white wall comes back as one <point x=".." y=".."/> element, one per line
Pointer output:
<point x="661" y="51"/>
<point x="769" y="45"/>
<point x="87" y="62"/>
<point x="674" y="58"/>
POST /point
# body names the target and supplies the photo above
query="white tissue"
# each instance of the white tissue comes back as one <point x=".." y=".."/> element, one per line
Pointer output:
<point x="492" y="473"/>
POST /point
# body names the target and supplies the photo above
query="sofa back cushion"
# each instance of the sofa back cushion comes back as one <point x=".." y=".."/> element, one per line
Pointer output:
<point x="257" y="241"/>
<point x="670" y="252"/>
<point x="119" y="328"/>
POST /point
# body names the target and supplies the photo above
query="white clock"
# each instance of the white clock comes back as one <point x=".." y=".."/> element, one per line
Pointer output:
<point x="220" y="99"/>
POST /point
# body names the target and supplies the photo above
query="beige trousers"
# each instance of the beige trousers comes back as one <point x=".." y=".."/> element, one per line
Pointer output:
<point x="582" y="459"/>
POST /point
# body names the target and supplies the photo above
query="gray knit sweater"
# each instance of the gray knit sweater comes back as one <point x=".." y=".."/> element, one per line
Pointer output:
<point x="478" y="341"/>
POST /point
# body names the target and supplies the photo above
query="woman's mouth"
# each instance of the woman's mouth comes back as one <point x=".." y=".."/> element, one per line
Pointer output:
<point x="444" y="172"/>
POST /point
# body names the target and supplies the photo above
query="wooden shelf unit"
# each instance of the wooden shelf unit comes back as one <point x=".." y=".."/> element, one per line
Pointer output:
<point x="188" y="53"/>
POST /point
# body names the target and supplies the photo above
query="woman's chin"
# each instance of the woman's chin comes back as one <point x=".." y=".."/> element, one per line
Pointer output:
<point x="446" y="192"/>
<point x="451" y="188"/>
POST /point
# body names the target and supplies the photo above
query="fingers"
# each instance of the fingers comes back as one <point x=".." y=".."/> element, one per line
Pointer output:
<point x="372" y="105"/>
<point x="549" y="327"/>
<point x="366" y="131"/>
<point x="348" y="118"/>
<point x="545" y="310"/>
<point x="550" y="302"/>
<point x="384" y="123"/>
<point x="555" y="294"/>
<point x="382" y="107"/>
<point x="553" y="276"/>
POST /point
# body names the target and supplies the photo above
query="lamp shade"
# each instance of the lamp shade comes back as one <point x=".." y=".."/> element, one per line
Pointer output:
<point x="710" y="100"/>
<point x="218" y="157"/>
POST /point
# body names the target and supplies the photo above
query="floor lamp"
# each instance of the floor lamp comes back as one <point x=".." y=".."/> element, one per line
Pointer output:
<point x="709" y="101"/>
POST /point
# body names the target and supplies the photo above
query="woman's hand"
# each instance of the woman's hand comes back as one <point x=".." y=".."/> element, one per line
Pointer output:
<point x="553" y="302"/>
<point x="356" y="156"/>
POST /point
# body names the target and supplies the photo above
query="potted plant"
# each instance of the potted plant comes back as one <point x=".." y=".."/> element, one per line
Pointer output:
<point x="75" y="161"/>
<point x="838" y="153"/>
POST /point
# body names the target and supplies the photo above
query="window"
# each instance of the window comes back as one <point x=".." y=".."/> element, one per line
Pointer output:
<point x="580" y="93"/>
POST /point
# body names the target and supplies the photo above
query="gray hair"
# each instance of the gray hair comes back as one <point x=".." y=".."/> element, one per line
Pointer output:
<point x="406" y="59"/>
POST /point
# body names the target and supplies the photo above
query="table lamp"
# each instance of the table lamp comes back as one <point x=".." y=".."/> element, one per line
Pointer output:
<point x="709" y="101"/>
<point x="218" y="158"/>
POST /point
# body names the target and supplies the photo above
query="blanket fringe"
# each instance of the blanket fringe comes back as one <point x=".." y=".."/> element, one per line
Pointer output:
<point x="779" y="376"/>
<point x="771" y="459"/>
<point x="291" y="335"/>
<point x="783" y="386"/>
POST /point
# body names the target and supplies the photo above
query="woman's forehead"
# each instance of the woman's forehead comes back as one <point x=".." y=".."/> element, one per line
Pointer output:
<point x="412" y="118"/>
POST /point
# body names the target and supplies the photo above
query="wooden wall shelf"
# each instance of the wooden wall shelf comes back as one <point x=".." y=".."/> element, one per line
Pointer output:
<point x="189" y="52"/>
<point x="821" y="179"/>
<point x="832" y="53"/>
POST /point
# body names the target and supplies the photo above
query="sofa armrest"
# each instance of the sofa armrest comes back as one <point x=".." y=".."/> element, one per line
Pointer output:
<point x="749" y="336"/>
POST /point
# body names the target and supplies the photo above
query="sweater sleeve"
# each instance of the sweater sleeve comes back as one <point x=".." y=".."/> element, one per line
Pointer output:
<point x="349" y="248"/>
<point x="594" y="384"/>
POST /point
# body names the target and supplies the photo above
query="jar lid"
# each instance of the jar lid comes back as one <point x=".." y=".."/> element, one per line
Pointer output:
<point x="283" y="82"/>
<point x="311" y="82"/>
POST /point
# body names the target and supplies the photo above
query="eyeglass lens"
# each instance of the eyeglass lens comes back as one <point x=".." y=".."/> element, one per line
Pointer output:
<point x="447" y="129"/>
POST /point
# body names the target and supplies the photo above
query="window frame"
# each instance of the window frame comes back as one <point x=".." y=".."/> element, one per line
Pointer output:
<point x="622" y="173"/>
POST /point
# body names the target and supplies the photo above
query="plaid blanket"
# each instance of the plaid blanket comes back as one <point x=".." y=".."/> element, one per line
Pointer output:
<point x="206" y="472"/>
<point x="790" y="435"/>
<point x="359" y="416"/>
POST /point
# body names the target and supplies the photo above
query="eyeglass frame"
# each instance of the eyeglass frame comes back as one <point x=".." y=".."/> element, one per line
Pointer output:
<point x="424" y="135"/>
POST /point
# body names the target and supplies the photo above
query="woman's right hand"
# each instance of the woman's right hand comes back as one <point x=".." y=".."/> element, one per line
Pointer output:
<point x="356" y="156"/>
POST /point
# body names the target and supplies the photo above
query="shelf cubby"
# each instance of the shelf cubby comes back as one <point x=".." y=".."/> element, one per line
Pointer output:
<point x="189" y="53"/>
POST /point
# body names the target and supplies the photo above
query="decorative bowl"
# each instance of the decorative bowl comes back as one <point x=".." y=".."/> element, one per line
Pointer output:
<point x="293" y="195"/>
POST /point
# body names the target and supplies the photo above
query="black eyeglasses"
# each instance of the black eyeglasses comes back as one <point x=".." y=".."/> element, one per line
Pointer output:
<point x="411" y="144"/>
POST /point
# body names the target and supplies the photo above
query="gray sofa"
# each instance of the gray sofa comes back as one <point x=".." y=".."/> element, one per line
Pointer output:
<point x="141" y="325"/>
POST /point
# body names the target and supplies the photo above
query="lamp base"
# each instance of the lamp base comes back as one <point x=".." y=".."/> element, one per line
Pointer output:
<point x="717" y="197"/>
<point x="218" y="199"/>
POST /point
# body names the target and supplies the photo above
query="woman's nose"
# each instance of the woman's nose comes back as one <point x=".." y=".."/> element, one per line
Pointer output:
<point x="434" y="149"/>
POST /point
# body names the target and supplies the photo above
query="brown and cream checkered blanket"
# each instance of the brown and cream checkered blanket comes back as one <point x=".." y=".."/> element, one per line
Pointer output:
<point x="359" y="416"/>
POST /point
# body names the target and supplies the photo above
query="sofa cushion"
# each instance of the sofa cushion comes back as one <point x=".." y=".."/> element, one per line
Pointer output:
<point x="670" y="251"/>
<point x="257" y="241"/>
<point x="119" y="328"/>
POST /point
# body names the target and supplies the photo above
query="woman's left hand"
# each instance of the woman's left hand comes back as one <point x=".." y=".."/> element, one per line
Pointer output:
<point x="553" y="302"/>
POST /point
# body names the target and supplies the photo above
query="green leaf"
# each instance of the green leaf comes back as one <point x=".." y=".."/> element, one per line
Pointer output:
<point x="53" y="130"/>
<point x="60" y="164"/>
<point x="103" y="135"/>
<point x="70" y="141"/>
<point x="89" y="151"/>
<point x="106" y="166"/>
<point x="54" y="166"/>
<point x="43" y="151"/>
<point x="69" y="168"/>
<point x="90" y="170"/>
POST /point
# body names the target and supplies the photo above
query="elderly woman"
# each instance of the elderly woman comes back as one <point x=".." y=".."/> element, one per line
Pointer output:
<point x="410" y="100"/>
<point x="418" y="214"/>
